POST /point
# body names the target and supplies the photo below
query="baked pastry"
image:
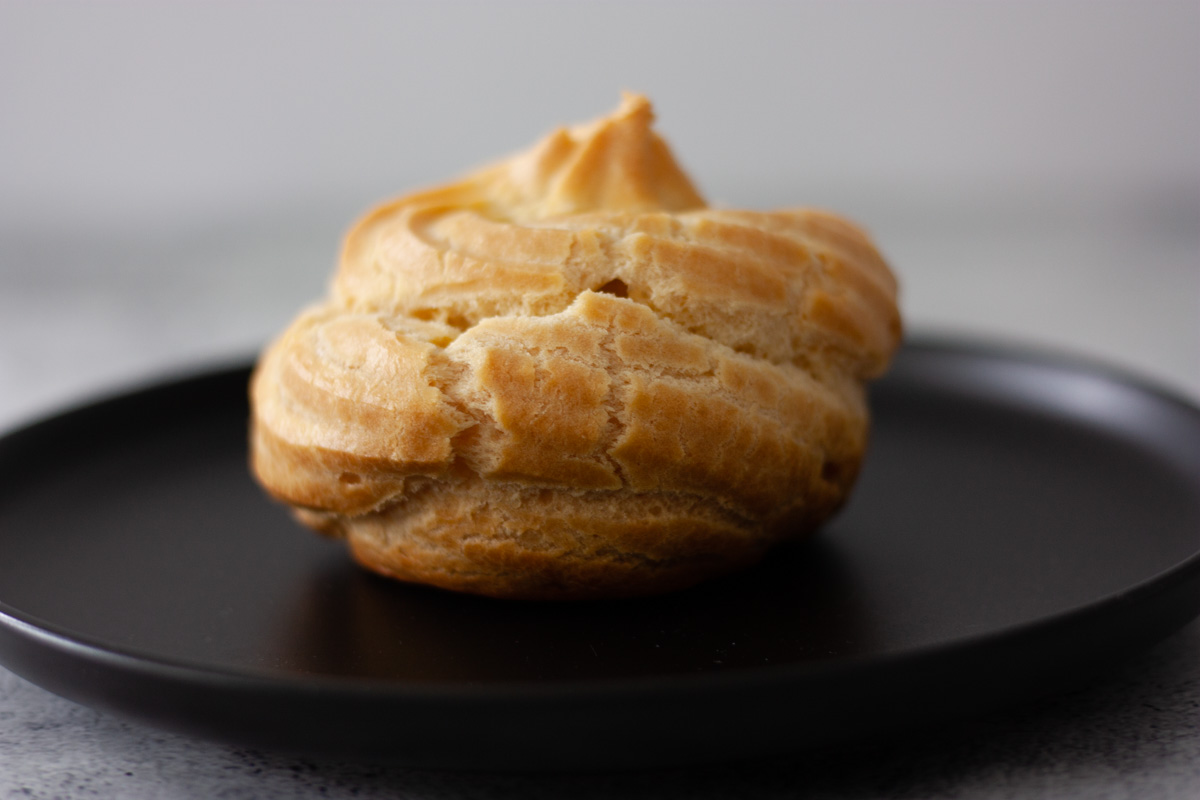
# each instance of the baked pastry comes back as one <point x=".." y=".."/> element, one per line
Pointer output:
<point x="564" y="376"/>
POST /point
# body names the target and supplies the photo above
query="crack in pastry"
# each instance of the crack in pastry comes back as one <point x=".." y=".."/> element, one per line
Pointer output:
<point x="564" y="376"/>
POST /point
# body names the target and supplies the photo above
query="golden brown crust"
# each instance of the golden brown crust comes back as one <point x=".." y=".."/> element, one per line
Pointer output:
<point x="565" y="377"/>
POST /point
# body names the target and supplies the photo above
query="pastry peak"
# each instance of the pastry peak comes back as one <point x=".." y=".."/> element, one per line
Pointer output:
<point x="616" y="163"/>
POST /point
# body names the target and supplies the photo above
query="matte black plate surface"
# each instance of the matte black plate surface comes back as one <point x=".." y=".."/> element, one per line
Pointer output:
<point x="1020" y="522"/>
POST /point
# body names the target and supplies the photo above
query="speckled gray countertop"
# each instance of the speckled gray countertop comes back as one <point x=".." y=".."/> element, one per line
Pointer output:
<point x="87" y="315"/>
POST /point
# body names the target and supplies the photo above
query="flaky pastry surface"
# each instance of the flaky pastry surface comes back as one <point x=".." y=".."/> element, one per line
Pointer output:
<point x="565" y="376"/>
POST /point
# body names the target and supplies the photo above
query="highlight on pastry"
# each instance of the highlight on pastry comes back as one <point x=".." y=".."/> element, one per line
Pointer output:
<point x="564" y="376"/>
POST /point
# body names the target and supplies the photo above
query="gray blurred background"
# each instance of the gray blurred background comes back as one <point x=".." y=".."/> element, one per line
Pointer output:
<point x="175" y="176"/>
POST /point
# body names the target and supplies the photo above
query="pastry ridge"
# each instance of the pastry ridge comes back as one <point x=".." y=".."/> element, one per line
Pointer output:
<point x="564" y="376"/>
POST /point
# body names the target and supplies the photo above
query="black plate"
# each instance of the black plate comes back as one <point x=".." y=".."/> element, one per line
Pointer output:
<point x="1021" y="522"/>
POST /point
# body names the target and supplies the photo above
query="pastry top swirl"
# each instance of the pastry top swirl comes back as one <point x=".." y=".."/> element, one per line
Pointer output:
<point x="606" y="205"/>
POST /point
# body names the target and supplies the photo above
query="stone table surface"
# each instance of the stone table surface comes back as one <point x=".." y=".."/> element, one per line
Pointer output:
<point x="84" y="316"/>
